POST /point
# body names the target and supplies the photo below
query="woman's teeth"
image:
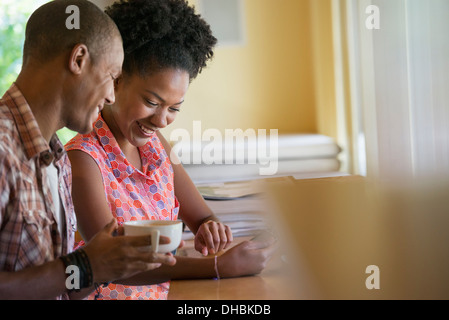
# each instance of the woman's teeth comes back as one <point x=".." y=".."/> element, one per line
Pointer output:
<point x="146" y="130"/>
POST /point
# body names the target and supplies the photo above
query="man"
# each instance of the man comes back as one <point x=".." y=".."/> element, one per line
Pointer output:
<point x="66" y="78"/>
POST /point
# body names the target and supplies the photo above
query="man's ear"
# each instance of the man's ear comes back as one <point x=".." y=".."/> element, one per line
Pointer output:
<point x="79" y="56"/>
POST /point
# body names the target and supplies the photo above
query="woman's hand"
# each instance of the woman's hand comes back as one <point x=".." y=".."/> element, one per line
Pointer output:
<point x="212" y="237"/>
<point x="247" y="258"/>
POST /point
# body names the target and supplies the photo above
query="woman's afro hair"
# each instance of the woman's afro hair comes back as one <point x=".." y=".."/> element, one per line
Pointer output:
<point x="160" y="34"/>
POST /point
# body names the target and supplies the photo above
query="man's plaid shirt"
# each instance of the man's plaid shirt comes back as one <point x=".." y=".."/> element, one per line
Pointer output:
<point x="29" y="234"/>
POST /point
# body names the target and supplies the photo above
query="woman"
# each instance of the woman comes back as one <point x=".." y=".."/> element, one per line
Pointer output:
<point x="122" y="168"/>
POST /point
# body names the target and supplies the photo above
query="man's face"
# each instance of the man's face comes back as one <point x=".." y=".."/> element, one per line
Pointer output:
<point x="94" y="89"/>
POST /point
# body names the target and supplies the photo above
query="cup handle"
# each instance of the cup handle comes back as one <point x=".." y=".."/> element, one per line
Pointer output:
<point x="155" y="234"/>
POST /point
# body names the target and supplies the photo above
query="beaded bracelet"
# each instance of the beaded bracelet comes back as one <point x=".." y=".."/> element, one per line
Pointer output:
<point x="80" y="259"/>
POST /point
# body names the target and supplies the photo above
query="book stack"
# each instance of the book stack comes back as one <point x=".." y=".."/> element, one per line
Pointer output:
<point x="239" y="204"/>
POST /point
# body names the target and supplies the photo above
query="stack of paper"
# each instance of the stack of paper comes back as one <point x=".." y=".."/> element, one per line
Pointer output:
<point x="244" y="216"/>
<point x="230" y="190"/>
<point x="239" y="204"/>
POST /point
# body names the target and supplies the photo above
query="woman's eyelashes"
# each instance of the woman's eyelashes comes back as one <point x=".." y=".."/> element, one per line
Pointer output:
<point x="155" y="104"/>
<point x="151" y="103"/>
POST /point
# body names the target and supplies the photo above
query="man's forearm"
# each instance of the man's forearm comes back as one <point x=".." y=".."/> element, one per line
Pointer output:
<point x="46" y="281"/>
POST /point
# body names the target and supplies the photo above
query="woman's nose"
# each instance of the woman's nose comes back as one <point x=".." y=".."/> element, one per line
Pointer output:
<point x="159" y="119"/>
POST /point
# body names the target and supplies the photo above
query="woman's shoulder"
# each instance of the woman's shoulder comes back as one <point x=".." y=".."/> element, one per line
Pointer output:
<point x="80" y="142"/>
<point x="89" y="145"/>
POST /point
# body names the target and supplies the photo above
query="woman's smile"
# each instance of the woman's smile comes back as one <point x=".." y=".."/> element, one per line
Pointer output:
<point x="148" y="132"/>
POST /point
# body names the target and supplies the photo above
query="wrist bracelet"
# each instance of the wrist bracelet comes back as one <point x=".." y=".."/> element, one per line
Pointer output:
<point x="216" y="268"/>
<point x="80" y="259"/>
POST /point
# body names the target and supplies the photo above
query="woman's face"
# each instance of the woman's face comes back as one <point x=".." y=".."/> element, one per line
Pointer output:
<point x="145" y="105"/>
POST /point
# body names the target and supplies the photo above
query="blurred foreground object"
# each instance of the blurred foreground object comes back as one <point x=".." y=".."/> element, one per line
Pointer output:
<point x="336" y="229"/>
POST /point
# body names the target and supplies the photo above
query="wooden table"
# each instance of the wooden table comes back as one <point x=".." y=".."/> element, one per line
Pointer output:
<point x="338" y="227"/>
<point x="282" y="279"/>
<point x="274" y="283"/>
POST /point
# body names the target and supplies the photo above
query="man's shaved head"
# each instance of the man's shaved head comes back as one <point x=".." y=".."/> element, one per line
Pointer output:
<point x="47" y="36"/>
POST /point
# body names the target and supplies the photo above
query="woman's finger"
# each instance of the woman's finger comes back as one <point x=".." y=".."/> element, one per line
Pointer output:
<point x="229" y="236"/>
<point x="223" y="237"/>
<point x="208" y="237"/>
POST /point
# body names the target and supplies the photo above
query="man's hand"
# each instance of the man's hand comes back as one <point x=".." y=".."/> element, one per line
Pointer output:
<point x="118" y="257"/>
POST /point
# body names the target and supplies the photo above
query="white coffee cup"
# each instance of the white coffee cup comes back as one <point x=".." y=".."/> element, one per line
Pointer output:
<point x="156" y="228"/>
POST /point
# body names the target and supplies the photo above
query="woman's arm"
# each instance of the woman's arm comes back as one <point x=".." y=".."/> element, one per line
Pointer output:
<point x="194" y="210"/>
<point x="246" y="258"/>
<point x="91" y="207"/>
<point x="211" y="236"/>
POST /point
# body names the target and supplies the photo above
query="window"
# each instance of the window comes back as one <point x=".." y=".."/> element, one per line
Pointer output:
<point x="13" y="17"/>
<point x="226" y="20"/>
<point x="400" y="74"/>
